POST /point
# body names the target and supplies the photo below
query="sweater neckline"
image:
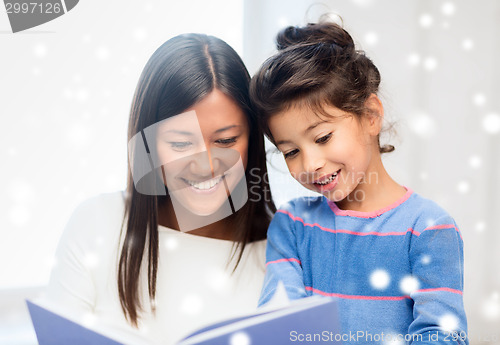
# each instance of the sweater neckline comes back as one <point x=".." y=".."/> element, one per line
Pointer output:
<point x="371" y="214"/>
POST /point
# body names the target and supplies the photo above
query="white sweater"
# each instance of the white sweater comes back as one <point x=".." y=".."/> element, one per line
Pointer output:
<point x="195" y="286"/>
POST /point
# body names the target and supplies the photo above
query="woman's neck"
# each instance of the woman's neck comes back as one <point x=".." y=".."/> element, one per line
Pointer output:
<point x="220" y="230"/>
<point x="375" y="191"/>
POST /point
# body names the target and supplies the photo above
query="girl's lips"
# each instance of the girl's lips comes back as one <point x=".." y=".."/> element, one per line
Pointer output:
<point x="330" y="185"/>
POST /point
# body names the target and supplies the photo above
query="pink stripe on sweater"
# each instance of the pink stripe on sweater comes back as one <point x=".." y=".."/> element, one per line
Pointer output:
<point x="378" y="298"/>
<point x="284" y="260"/>
<point x="371" y="298"/>
<point x="372" y="214"/>
<point x="444" y="226"/>
<point x="441" y="289"/>
<point x="350" y="232"/>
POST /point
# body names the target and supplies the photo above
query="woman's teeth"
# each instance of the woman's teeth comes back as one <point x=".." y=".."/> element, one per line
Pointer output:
<point x="204" y="185"/>
<point x="330" y="179"/>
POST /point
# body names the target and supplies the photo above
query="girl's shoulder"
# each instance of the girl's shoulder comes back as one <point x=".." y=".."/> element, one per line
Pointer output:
<point x="303" y="203"/>
<point x="426" y="213"/>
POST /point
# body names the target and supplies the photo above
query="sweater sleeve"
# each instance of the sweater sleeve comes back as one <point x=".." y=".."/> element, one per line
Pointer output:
<point x="436" y="256"/>
<point x="282" y="259"/>
<point x="71" y="284"/>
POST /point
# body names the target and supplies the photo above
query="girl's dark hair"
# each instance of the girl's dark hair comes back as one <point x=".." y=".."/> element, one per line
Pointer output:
<point x="315" y="65"/>
<point x="180" y="73"/>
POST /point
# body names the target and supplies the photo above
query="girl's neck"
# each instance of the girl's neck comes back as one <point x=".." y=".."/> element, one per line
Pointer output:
<point x="220" y="230"/>
<point x="375" y="191"/>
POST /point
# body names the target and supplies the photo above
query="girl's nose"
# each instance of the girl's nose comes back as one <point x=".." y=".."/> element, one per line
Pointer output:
<point x="312" y="162"/>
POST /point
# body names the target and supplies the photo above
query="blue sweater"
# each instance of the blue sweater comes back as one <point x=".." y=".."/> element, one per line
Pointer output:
<point x="397" y="272"/>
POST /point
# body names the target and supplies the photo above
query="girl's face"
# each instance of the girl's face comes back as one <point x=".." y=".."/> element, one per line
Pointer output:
<point x="327" y="154"/>
<point x="203" y="153"/>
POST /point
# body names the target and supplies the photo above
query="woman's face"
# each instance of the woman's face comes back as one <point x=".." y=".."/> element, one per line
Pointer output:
<point x="203" y="153"/>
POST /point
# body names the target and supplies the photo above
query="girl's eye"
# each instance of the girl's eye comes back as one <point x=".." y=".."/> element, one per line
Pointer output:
<point x="227" y="141"/>
<point x="324" y="139"/>
<point x="180" y="145"/>
<point x="290" y="154"/>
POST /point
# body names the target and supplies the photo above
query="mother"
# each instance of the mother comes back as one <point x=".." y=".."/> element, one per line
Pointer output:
<point x="122" y="257"/>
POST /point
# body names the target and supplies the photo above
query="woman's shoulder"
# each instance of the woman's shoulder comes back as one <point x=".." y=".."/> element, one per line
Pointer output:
<point x="95" y="214"/>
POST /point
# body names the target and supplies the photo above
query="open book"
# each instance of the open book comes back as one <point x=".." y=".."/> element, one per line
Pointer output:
<point x="312" y="319"/>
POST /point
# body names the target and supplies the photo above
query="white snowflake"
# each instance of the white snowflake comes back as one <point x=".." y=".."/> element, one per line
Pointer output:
<point x="426" y="259"/>
<point x="88" y="320"/>
<point x="240" y="338"/>
<point x="491" y="123"/>
<point x="19" y="215"/>
<point x="191" y="304"/>
<point x="423" y="125"/>
<point x="409" y="284"/>
<point x="448" y="8"/>
<point x="463" y="187"/>
<point x="102" y="53"/>
<point x="430" y="222"/>
<point x="430" y="63"/>
<point x="413" y="59"/>
<point x="467" y="44"/>
<point x="40" y="50"/>
<point x="217" y="279"/>
<point x="480" y="226"/>
<point x="380" y="279"/>
<point x="448" y="322"/>
<point x="371" y="38"/>
<point x="479" y="99"/>
<point x="171" y="243"/>
<point x="91" y="260"/>
<point x="426" y="20"/>
<point x="140" y="34"/>
<point x="475" y="162"/>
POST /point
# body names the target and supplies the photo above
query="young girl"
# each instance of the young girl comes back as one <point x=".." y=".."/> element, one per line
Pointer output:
<point x="122" y="260"/>
<point x="393" y="258"/>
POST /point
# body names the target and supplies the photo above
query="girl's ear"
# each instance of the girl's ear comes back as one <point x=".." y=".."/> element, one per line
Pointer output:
<point x="375" y="114"/>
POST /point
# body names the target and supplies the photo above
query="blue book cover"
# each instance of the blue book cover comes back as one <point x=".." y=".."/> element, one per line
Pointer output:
<point x="311" y="320"/>
<point x="53" y="329"/>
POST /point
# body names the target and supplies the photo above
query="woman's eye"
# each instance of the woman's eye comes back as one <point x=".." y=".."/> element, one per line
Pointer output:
<point x="226" y="141"/>
<point x="324" y="139"/>
<point x="180" y="145"/>
<point x="290" y="154"/>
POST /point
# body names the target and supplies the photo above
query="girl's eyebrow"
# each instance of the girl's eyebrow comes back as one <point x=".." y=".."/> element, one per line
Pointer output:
<point x="311" y="127"/>
<point x="314" y="125"/>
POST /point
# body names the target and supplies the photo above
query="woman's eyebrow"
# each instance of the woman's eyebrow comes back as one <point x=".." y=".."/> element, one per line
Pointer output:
<point x="281" y="142"/>
<point x="226" y="128"/>
<point x="176" y="131"/>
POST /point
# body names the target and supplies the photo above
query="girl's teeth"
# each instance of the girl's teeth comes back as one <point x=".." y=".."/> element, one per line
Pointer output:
<point x="330" y="179"/>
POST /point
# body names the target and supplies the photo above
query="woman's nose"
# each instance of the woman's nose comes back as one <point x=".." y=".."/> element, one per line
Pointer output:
<point x="202" y="165"/>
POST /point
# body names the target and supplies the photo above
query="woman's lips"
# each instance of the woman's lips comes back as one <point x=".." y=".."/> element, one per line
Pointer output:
<point x="203" y="187"/>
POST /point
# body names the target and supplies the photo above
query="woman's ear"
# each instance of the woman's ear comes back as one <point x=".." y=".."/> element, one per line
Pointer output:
<point x="375" y="114"/>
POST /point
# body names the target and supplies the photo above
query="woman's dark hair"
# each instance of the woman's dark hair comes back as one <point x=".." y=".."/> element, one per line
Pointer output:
<point x="180" y="73"/>
<point x="315" y="65"/>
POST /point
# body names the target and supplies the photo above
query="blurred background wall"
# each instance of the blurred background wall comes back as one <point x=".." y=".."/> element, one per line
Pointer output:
<point x="66" y="88"/>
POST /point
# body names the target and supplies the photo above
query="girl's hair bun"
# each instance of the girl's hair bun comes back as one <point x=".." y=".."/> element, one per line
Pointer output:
<point x="315" y="33"/>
